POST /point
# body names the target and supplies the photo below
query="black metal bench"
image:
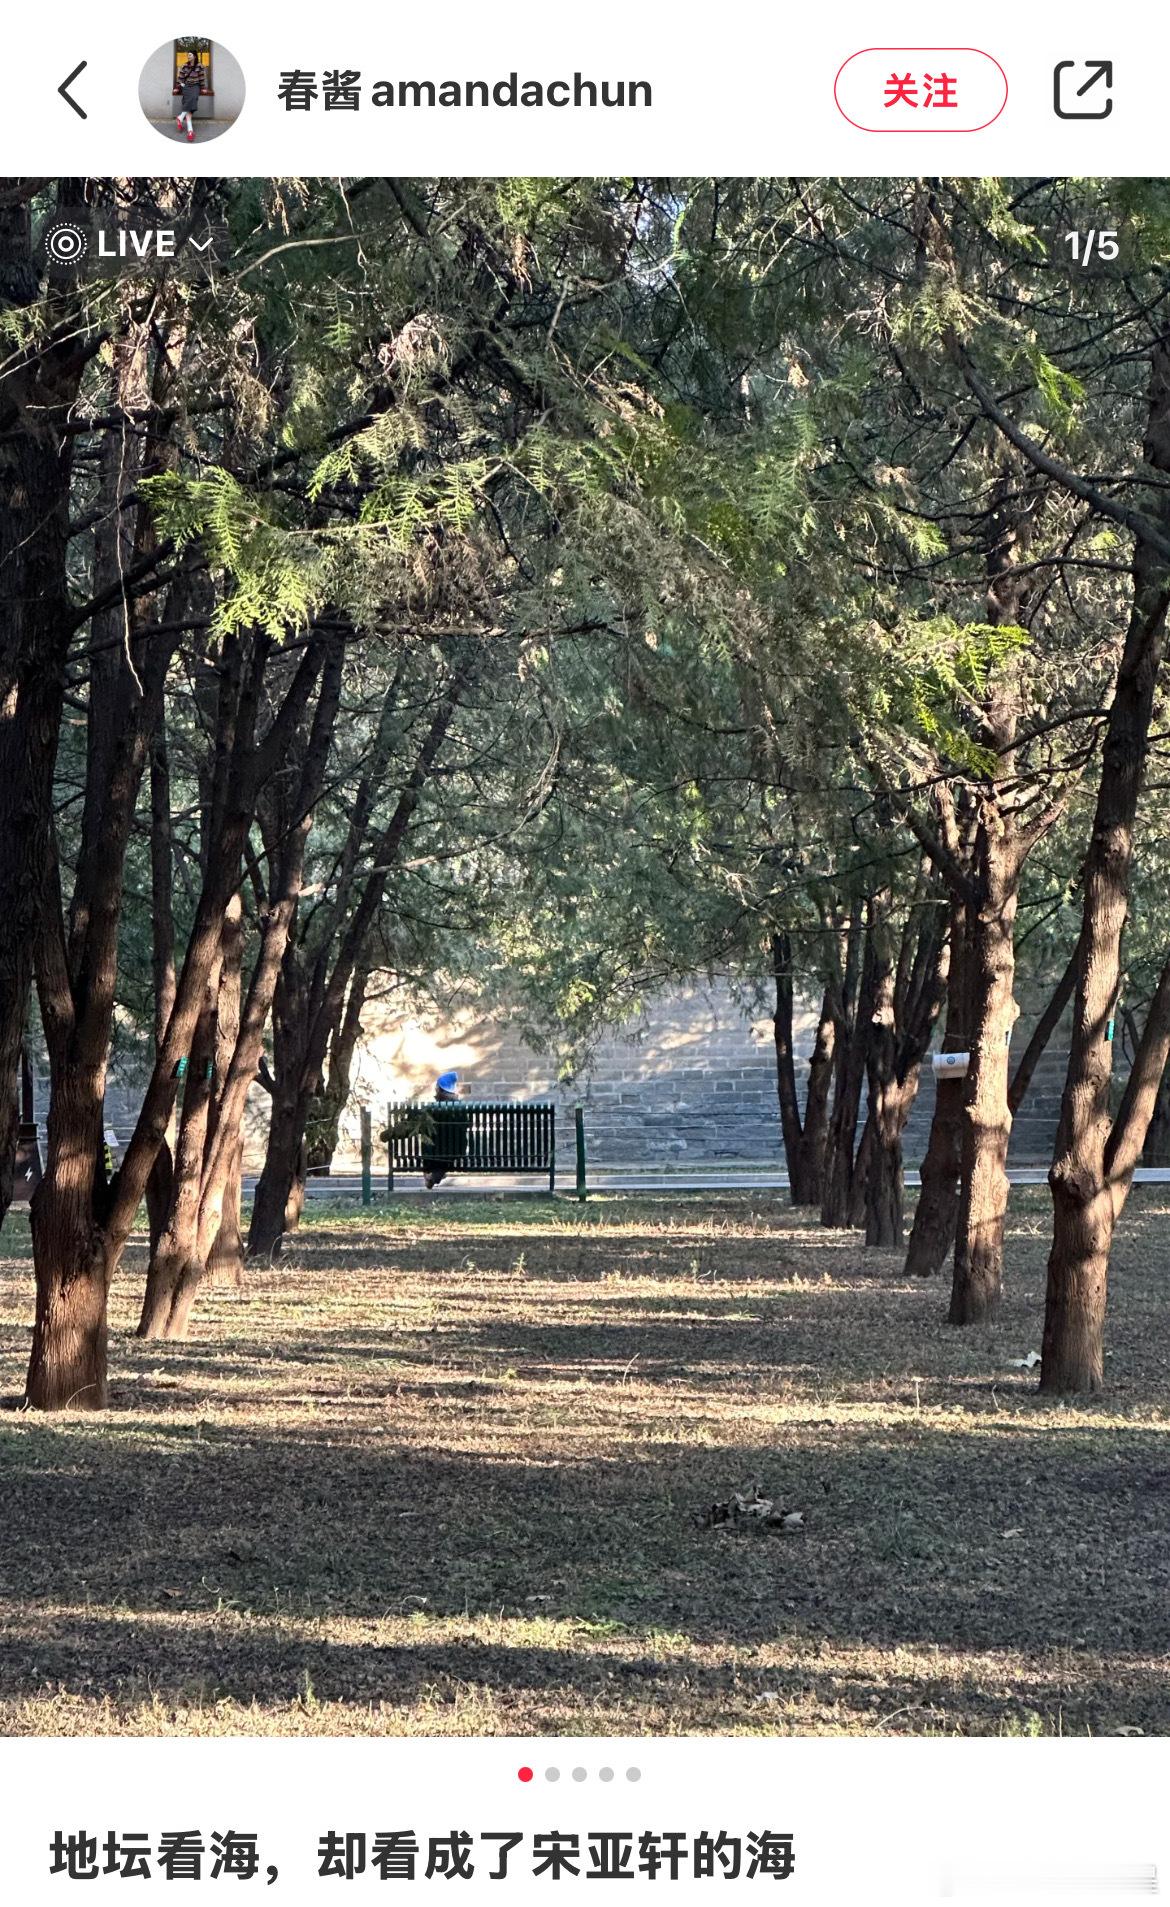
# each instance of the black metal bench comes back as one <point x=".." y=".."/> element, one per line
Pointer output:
<point x="499" y="1136"/>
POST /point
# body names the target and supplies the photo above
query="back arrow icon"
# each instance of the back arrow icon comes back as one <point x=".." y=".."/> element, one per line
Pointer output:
<point x="63" y="89"/>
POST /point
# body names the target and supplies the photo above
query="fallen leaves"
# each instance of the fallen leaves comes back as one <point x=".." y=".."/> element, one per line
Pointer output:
<point x="751" y="1506"/>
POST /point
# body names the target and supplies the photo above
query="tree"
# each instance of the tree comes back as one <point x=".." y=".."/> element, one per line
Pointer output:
<point x="1095" y="1153"/>
<point x="316" y="985"/>
<point x="207" y="1148"/>
<point x="46" y="348"/>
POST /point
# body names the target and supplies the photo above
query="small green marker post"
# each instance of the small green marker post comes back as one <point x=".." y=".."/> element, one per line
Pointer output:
<point x="367" y="1158"/>
<point x="579" y="1122"/>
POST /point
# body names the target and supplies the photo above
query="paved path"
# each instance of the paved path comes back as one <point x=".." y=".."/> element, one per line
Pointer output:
<point x="346" y="1185"/>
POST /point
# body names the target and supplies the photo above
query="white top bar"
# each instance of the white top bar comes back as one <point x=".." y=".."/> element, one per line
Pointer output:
<point x="744" y="87"/>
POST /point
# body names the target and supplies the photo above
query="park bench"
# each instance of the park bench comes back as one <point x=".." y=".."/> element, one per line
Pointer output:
<point x="501" y="1136"/>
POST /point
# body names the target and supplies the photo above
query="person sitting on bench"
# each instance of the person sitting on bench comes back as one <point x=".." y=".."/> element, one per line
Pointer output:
<point x="447" y="1143"/>
<point x="444" y="1133"/>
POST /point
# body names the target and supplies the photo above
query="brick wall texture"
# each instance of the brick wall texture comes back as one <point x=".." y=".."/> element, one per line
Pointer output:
<point x="690" y="1083"/>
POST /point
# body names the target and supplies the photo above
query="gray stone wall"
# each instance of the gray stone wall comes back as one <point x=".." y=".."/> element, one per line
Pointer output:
<point x="691" y="1083"/>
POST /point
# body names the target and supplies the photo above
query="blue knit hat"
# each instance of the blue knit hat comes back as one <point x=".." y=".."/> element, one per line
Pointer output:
<point x="447" y="1082"/>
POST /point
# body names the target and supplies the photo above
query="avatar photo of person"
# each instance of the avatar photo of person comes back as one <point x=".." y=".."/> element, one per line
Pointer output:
<point x="191" y="89"/>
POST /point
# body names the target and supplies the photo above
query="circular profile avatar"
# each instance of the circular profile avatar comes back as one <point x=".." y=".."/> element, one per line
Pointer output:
<point x="191" y="89"/>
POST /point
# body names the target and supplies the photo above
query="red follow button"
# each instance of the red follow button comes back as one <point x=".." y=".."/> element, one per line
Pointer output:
<point x="921" y="89"/>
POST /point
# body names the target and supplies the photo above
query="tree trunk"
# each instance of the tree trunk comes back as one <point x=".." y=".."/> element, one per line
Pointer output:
<point x="158" y="1194"/>
<point x="225" y="1265"/>
<point x="1073" y="1347"/>
<point x="1156" y="1150"/>
<point x="81" y="1221"/>
<point x="809" y="1183"/>
<point x="849" y="1085"/>
<point x="294" y="1204"/>
<point x="859" y="1178"/>
<point x="37" y="394"/>
<point x="305" y="1017"/>
<point x="932" y="1236"/>
<point x="171" y="1262"/>
<point x="977" y="1284"/>
<point x="76" y="962"/>
<point x="274" y="1188"/>
<point x="162" y="962"/>
<point x="1089" y="1180"/>
<point x="274" y="1201"/>
<point x="885" y="1182"/>
<point x="877" y="1193"/>
<point x="805" y="1135"/>
<point x="67" y="1366"/>
<point x="225" y="1261"/>
<point x="214" y="1103"/>
<point x="791" y="1127"/>
<point x="326" y="1108"/>
<point x="884" y="1192"/>
<point x="839" y="1154"/>
<point x="1001" y="846"/>
<point x="8" y="1138"/>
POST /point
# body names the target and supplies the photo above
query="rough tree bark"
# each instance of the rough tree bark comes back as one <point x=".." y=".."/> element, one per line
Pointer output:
<point x="308" y="1007"/>
<point x="853" y="1006"/>
<point x="984" y="880"/>
<point x="881" y="1198"/>
<point x="804" y="1133"/>
<point x="906" y="1009"/>
<point x="932" y="1235"/>
<point x="225" y="1262"/>
<point x="859" y="1179"/>
<point x="324" y="1125"/>
<point x="38" y="388"/>
<point x="1001" y="847"/>
<point x="162" y="954"/>
<point x="178" y="1240"/>
<point x="987" y="1121"/>
<point x="76" y="959"/>
<point x="819" y="1085"/>
<point x="1073" y="1346"/>
<point x="1094" y="1159"/>
<point x="81" y="1224"/>
<point x="276" y="1203"/>
<point x="1156" y="1150"/>
<point x="207" y="1151"/>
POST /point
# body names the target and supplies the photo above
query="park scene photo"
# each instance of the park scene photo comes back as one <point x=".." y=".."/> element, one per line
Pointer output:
<point x="584" y="955"/>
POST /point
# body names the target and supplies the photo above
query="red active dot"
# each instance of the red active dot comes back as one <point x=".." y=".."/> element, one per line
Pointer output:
<point x="525" y="1774"/>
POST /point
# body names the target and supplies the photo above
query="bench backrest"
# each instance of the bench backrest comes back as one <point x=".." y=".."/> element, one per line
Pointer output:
<point x="501" y="1136"/>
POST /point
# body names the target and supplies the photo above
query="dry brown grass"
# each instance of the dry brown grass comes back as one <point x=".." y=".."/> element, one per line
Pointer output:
<point x="439" y="1473"/>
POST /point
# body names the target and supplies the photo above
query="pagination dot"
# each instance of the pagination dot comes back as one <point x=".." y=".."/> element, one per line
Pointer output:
<point x="552" y="1774"/>
<point x="578" y="1774"/>
<point x="633" y="1774"/>
<point x="606" y="1774"/>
